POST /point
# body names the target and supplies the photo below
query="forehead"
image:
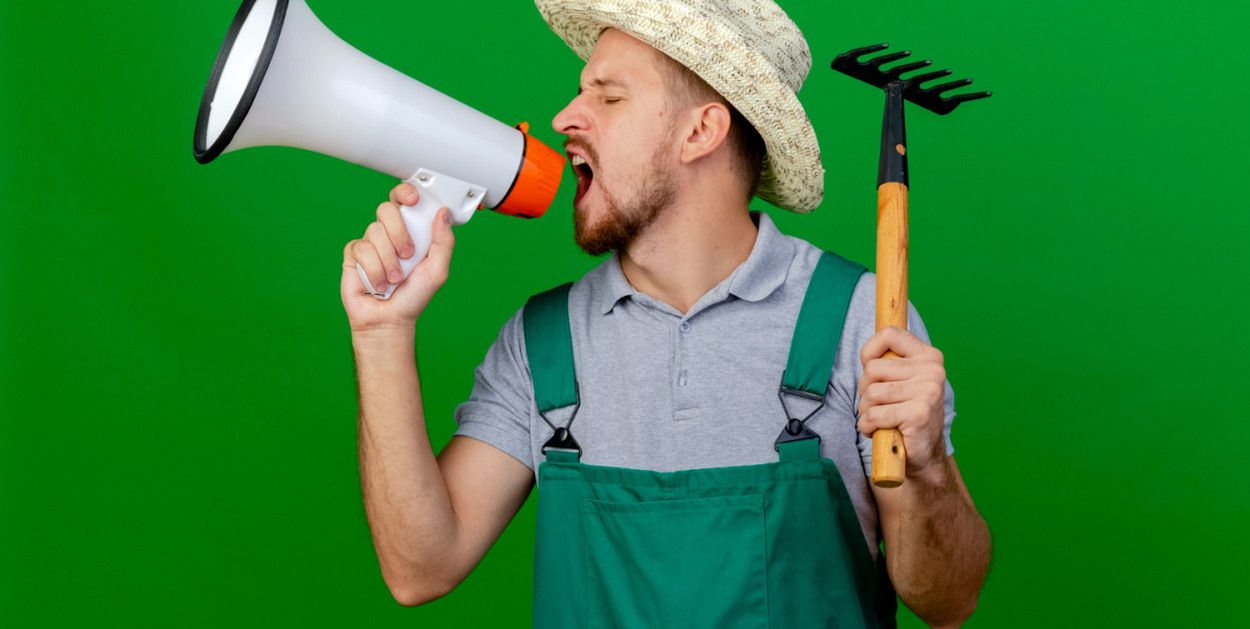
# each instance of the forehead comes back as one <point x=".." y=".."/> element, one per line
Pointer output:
<point x="620" y="58"/>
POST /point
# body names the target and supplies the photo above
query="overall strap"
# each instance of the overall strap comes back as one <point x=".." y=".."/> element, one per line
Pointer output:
<point x="814" y="344"/>
<point x="549" y="349"/>
<point x="549" y="346"/>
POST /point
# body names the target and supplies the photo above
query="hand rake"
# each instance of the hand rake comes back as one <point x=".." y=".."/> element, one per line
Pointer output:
<point x="889" y="457"/>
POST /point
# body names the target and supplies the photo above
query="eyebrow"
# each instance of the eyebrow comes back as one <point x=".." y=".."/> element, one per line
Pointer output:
<point x="598" y="82"/>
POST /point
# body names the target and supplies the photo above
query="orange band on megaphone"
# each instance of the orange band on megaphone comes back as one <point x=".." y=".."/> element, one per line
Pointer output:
<point x="536" y="183"/>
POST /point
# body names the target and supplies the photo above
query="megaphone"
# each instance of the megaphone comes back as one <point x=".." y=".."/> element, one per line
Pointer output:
<point x="283" y="78"/>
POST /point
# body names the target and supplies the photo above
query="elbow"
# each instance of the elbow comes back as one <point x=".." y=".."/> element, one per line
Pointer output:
<point x="414" y="592"/>
<point x="940" y="610"/>
<point x="967" y="611"/>
<point x="946" y="607"/>
<point x="955" y="617"/>
<point x="419" y="583"/>
<point x="416" y="578"/>
<point x="943" y="602"/>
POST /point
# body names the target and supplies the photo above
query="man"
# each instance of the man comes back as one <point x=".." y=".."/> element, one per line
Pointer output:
<point x="685" y="111"/>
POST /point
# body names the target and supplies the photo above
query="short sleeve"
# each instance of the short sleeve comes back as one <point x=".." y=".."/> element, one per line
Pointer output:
<point x="861" y="324"/>
<point x="498" y="409"/>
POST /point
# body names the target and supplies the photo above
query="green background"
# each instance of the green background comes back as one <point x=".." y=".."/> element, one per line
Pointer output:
<point x="178" y="442"/>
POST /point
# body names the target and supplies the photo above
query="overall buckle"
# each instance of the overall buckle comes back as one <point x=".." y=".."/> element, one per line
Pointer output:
<point x="562" y="439"/>
<point x="796" y="429"/>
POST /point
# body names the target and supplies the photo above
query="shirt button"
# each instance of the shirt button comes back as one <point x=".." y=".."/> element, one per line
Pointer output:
<point x="682" y="379"/>
<point x="685" y="326"/>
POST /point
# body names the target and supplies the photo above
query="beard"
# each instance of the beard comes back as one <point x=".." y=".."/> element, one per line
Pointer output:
<point x="624" y="219"/>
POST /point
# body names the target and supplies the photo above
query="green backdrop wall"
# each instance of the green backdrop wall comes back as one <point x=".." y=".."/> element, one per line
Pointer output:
<point x="177" y="445"/>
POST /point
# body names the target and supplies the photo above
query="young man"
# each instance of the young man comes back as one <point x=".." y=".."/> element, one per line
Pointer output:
<point x="672" y="488"/>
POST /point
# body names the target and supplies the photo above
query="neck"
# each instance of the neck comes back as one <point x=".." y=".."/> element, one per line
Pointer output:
<point x="689" y="249"/>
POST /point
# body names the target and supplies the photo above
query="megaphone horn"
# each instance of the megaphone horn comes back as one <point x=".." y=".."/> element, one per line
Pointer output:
<point x="282" y="78"/>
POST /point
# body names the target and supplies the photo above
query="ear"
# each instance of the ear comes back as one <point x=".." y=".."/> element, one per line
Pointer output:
<point x="706" y="130"/>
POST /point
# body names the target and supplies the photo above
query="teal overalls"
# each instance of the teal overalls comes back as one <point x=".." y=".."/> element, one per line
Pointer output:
<point x="751" y="546"/>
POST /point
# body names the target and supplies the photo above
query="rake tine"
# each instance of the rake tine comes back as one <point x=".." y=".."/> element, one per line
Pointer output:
<point x="963" y="98"/>
<point x="863" y="50"/>
<point x="928" y="76"/>
<point x="896" y="71"/>
<point x="884" y="59"/>
<point x="946" y="87"/>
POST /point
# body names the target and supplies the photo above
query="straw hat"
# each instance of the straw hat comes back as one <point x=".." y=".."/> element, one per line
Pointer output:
<point x="748" y="50"/>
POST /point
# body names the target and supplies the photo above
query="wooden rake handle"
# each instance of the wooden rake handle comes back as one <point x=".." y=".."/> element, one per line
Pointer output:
<point x="889" y="456"/>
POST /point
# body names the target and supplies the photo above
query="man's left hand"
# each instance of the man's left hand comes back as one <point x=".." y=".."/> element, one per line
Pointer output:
<point x="907" y="393"/>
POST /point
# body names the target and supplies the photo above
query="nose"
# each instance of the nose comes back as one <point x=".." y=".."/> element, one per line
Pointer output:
<point x="571" y="119"/>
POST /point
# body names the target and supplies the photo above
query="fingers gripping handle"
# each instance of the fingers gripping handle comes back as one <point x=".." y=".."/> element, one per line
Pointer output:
<point x="419" y="221"/>
<point x="435" y="191"/>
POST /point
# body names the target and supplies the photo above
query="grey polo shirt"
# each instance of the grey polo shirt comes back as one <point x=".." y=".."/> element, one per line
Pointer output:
<point x="664" y="391"/>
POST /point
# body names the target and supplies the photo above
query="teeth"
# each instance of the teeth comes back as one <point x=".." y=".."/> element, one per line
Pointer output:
<point x="577" y="160"/>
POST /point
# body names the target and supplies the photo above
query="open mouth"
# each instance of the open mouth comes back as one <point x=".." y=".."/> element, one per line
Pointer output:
<point x="584" y="174"/>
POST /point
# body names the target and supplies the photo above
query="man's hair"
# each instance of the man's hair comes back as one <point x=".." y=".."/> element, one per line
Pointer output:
<point x="686" y="88"/>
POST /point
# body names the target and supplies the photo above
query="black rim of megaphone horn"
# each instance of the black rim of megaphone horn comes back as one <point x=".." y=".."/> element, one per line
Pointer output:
<point x="205" y="154"/>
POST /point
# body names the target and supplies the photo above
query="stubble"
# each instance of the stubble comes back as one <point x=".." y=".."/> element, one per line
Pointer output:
<point x="624" y="219"/>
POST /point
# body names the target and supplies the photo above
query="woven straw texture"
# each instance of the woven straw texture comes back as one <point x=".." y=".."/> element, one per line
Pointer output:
<point x="748" y="50"/>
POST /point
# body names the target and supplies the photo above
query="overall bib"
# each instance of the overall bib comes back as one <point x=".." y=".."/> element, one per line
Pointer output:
<point x="752" y="546"/>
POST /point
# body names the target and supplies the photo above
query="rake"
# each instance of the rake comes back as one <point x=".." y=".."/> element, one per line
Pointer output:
<point x="889" y="456"/>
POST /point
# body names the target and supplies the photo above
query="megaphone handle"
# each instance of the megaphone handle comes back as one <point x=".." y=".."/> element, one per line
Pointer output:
<point x="435" y="191"/>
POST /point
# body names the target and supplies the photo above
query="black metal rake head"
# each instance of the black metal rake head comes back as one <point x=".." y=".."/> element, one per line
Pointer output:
<point x="870" y="71"/>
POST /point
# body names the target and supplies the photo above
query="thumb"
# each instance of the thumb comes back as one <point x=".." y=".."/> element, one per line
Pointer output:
<point x="442" y="241"/>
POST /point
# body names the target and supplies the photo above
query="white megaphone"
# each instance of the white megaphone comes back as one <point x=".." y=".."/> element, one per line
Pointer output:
<point x="282" y="78"/>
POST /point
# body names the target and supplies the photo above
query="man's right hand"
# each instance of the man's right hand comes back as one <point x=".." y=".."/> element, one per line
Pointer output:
<point x="385" y="241"/>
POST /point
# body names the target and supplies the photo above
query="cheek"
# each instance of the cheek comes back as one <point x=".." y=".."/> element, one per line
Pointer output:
<point x="631" y="153"/>
<point x="627" y="145"/>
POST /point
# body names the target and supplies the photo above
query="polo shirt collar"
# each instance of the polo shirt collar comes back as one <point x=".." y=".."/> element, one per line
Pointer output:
<point x="756" y="278"/>
<point x="765" y="269"/>
<point x="617" y="287"/>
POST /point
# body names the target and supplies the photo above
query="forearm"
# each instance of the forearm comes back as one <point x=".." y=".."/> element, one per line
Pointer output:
<point x="942" y="552"/>
<point x="406" y="500"/>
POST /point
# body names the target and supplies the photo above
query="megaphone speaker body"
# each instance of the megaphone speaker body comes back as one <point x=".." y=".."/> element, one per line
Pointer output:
<point x="282" y="78"/>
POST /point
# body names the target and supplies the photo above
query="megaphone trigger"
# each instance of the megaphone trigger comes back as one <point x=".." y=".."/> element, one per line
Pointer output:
<point x="435" y="191"/>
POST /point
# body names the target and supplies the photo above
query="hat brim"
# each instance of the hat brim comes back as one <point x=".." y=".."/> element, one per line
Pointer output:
<point x="792" y="177"/>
